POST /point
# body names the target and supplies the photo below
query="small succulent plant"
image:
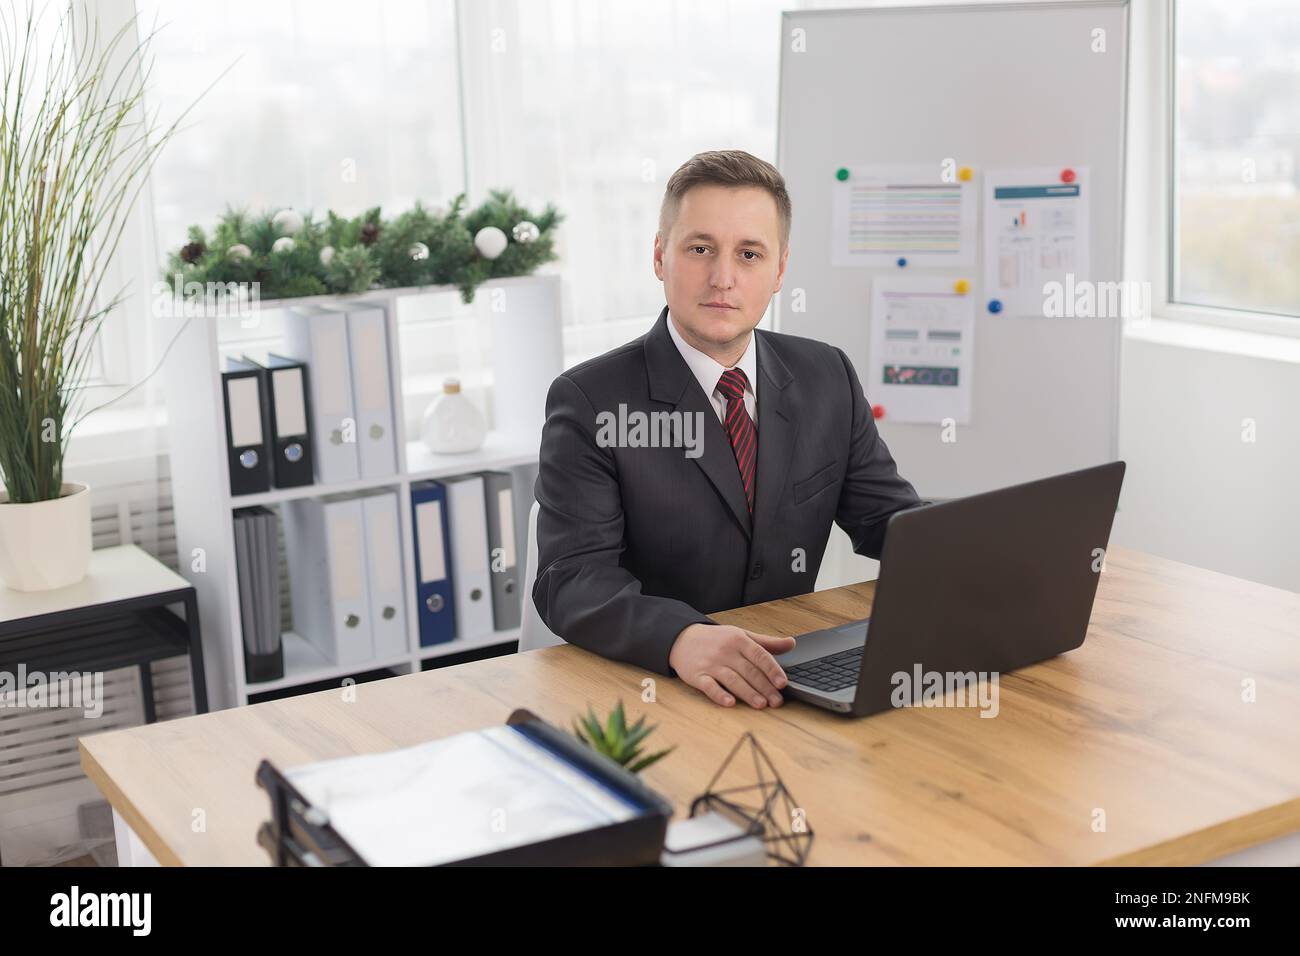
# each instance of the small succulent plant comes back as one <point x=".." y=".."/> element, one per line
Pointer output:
<point x="617" y="740"/>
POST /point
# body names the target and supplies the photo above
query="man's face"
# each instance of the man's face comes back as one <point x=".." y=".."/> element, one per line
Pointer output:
<point x="724" y="247"/>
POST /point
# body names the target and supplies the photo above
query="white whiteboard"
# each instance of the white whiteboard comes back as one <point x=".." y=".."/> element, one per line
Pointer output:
<point x="997" y="86"/>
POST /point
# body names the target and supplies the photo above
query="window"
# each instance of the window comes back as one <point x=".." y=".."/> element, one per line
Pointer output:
<point x="589" y="104"/>
<point x="325" y="105"/>
<point x="1235" y="238"/>
<point x="592" y="104"/>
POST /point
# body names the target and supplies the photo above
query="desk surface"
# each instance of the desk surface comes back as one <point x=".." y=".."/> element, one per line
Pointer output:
<point x="1145" y="724"/>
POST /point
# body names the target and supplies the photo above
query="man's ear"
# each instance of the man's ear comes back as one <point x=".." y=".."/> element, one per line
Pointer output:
<point x="659" y="257"/>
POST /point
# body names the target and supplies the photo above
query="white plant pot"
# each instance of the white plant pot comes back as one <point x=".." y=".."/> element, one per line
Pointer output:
<point x="45" y="544"/>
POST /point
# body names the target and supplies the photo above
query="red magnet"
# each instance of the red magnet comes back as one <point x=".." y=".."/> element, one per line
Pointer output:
<point x="877" y="411"/>
<point x="1067" y="175"/>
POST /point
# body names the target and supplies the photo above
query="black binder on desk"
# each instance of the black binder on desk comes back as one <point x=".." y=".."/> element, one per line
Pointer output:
<point x="299" y="834"/>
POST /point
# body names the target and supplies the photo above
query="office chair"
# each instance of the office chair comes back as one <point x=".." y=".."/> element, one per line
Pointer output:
<point x="533" y="632"/>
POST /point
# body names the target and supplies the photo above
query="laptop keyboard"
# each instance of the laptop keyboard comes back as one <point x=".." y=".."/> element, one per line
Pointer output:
<point x="829" y="673"/>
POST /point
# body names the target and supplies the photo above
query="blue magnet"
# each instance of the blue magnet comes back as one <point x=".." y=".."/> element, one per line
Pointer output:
<point x="995" y="305"/>
<point x="901" y="262"/>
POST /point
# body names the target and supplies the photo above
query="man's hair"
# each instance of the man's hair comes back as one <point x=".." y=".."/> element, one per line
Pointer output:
<point x="726" y="167"/>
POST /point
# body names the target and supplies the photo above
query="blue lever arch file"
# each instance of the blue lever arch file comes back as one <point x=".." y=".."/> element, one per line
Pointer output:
<point x="433" y="573"/>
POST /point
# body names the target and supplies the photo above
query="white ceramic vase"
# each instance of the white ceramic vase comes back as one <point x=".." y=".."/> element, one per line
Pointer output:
<point x="452" y="423"/>
<point x="45" y="544"/>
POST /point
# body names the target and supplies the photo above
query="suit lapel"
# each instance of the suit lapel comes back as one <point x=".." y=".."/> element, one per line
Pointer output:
<point x="672" y="383"/>
<point x="777" y="428"/>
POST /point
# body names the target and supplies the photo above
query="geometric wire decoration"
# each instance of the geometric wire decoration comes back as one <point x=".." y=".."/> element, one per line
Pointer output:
<point x="761" y="804"/>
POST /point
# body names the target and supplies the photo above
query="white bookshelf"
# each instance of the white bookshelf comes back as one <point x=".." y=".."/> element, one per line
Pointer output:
<point x="526" y="356"/>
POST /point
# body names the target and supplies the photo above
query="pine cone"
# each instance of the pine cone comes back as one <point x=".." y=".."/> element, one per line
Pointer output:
<point x="191" y="252"/>
<point x="369" y="233"/>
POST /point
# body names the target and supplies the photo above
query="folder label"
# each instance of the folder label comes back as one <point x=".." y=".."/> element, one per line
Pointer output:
<point x="290" y="403"/>
<point x="383" y="560"/>
<point x="348" y="572"/>
<point x="245" y="411"/>
<point x="370" y="366"/>
<point x="331" y="359"/>
<point x="505" y="520"/>
<point x="428" y="522"/>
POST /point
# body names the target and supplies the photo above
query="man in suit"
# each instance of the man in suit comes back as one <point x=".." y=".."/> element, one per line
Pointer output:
<point x="699" y="467"/>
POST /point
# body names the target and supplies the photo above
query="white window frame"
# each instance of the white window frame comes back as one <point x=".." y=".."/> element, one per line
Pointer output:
<point x="121" y="352"/>
<point x="1152" y="182"/>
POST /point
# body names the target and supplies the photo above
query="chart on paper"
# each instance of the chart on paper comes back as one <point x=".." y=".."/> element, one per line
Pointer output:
<point x="1035" y="233"/>
<point x="886" y="213"/>
<point x="922" y="350"/>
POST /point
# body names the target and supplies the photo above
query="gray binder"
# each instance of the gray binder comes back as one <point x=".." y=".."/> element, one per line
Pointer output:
<point x="503" y="549"/>
<point x="256" y="561"/>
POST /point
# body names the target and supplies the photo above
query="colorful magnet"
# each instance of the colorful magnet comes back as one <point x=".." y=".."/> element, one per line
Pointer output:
<point x="965" y="174"/>
<point x="995" y="305"/>
<point x="902" y="263"/>
<point x="841" y="174"/>
<point x="1067" y="175"/>
<point x="961" y="287"/>
<point x="877" y="412"/>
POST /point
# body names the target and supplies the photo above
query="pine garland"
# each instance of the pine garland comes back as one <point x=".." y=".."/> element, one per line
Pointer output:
<point x="366" y="252"/>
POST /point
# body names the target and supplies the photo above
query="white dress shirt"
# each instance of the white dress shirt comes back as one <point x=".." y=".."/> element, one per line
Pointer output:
<point x="707" y="372"/>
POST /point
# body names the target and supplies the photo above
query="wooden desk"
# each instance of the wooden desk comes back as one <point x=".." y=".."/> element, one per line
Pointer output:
<point x="1145" y="722"/>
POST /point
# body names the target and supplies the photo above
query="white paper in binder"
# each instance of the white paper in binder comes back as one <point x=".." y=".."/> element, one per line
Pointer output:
<point x="372" y="391"/>
<point x="319" y="337"/>
<point x="325" y="541"/>
<point x="446" y="799"/>
<point x="384" y="564"/>
<point x="470" y="571"/>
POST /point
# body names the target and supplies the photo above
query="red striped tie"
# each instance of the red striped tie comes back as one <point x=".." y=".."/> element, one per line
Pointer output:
<point x="740" y="428"/>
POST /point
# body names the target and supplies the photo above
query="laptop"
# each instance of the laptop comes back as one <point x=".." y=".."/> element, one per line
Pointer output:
<point x="983" y="584"/>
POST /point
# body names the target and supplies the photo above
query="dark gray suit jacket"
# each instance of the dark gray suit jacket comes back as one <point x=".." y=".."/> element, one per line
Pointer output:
<point x="636" y="543"/>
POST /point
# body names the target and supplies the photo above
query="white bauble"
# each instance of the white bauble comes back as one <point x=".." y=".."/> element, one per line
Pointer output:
<point x="287" y="222"/>
<point x="490" y="242"/>
<point x="283" y="244"/>
<point x="526" y="231"/>
<point x="238" y="252"/>
<point x="326" y="255"/>
<point x="418" y="251"/>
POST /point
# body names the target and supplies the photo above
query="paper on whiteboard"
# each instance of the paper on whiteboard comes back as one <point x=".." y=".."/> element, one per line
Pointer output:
<point x="449" y="799"/>
<point x="1035" y="232"/>
<point x="922" y="350"/>
<point x="882" y="213"/>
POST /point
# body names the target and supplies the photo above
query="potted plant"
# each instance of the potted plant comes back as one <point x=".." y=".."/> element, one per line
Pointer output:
<point x="75" y="148"/>
<point x="616" y="740"/>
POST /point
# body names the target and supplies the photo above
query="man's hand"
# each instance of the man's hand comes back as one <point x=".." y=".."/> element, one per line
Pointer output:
<point x="726" y="663"/>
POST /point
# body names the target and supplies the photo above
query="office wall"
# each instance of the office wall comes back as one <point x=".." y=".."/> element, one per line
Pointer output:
<point x="1194" y="491"/>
